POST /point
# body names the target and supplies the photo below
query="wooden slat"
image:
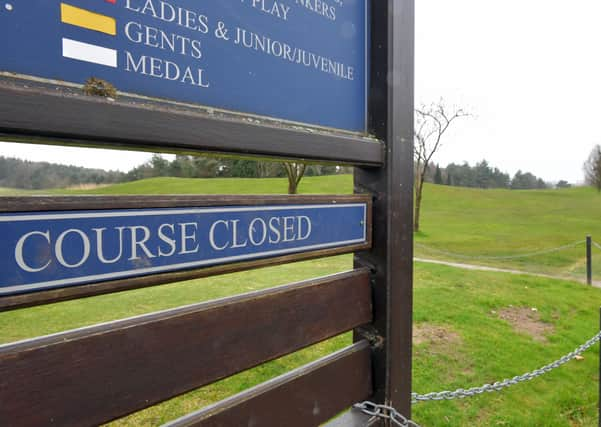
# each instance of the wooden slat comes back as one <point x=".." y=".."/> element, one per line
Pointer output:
<point x="35" y="112"/>
<point x="72" y="203"/>
<point x="391" y="107"/>
<point x="92" y="375"/>
<point x="69" y="203"/>
<point x="307" y="396"/>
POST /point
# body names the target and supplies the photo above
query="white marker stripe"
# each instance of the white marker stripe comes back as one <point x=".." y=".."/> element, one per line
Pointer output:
<point x="89" y="53"/>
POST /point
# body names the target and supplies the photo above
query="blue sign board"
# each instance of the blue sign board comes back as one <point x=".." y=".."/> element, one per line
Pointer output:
<point x="45" y="250"/>
<point x="297" y="60"/>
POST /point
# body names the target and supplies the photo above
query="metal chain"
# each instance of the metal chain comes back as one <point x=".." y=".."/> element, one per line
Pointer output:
<point x="506" y="257"/>
<point x="398" y="419"/>
<point x="385" y="412"/>
<point x="500" y="385"/>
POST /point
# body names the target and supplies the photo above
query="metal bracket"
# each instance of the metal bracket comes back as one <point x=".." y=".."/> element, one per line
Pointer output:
<point x="371" y="335"/>
<point x="362" y="263"/>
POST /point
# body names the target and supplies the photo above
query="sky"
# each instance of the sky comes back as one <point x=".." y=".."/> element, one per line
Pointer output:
<point x="528" y="71"/>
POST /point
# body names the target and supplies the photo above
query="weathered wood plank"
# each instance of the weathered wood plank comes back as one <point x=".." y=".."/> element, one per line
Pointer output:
<point x="304" y="397"/>
<point x="71" y="203"/>
<point x="92" y="375"/>
<point x="36" y="112"/>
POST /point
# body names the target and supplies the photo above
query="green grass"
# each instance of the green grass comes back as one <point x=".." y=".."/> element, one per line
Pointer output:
<point x="490" y="223"/>
<point x="337" y="184"/>
<point x="464" y="303"/>
<point x="489" y="349"/>
<point x="309" y="185"/>
<point x="15" y="192"/>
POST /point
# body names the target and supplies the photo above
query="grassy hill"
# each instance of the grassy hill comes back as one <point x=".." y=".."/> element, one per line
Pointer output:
<point x="14" y="192"/>
<point x="470" y="327"/>
<point x="480" y="225"/>
<point x="309" y="185"/>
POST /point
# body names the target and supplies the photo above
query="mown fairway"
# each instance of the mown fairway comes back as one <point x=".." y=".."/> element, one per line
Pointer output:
<point x="479" y="225"/>
<point x="462" y="338"/>
<point x="14" y="192"/>
<point x="339" y="184"/>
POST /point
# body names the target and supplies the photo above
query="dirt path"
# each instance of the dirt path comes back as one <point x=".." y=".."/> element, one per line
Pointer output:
<point x="596" y="283"/>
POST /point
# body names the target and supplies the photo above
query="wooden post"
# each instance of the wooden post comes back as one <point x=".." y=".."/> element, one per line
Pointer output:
<point x="381" y="293"/>
<point x="391" y="258"/>
<point x="589" y="262"/>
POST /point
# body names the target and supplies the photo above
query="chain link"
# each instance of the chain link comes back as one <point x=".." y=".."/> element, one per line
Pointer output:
<point x="398" y="419"/>
<point x="385" y="412"/>
<point x="500" y="385"/>
<point x="506" y="257"/>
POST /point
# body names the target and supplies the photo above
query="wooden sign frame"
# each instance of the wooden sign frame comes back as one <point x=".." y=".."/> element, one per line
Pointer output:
<point x="55" y="114"/>
<point x="380" y="360"/>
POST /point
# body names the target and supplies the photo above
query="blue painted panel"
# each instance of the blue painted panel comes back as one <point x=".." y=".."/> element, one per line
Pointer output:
<point x="47" y="250"/>
<point x="298" y="60"/>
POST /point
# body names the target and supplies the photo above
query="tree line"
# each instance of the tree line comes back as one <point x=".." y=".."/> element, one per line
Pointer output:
<point x="24" y="174"/>
<point x="16" y="173"/>
<point x="482" y="175"/>
<point x="227" y="167"/>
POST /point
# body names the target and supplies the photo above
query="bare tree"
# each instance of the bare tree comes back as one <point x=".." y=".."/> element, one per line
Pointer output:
<point x="431" y="123"/>
<point x="592" y="168"/>
<point x="295" y="172"/>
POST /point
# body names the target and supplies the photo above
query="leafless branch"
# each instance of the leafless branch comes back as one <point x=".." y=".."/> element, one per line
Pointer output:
<point x="431" y="123"/>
